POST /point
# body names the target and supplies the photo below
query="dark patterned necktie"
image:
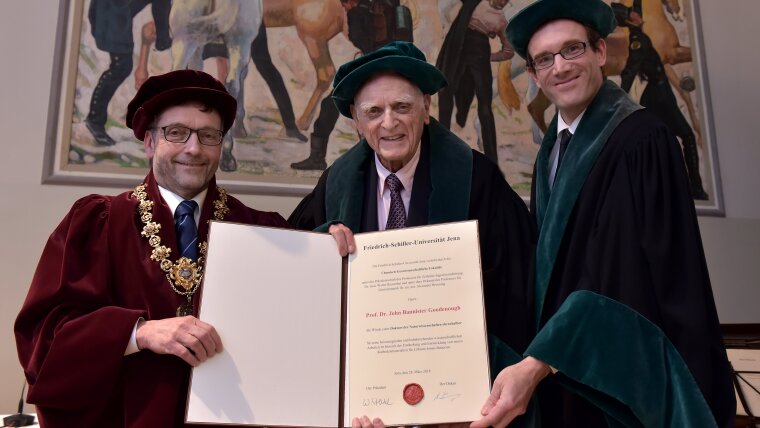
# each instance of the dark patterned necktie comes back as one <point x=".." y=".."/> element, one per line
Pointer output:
<point x="397" y="213"/>
<point x="564" y="140"/>
<point x="187" y="232"/>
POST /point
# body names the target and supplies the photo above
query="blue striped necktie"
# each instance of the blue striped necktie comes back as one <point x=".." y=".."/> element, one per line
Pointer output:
<point x="187" y="232"/>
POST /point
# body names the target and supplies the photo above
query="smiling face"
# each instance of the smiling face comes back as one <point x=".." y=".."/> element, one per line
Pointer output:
<point x="569" y="84"/>
<point x="185" y="169"/>
<point x="390" y="112"/>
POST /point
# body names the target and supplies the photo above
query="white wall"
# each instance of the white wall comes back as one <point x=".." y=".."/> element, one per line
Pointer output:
<point x="29" y="210"/>
<point x="732" y="243"/>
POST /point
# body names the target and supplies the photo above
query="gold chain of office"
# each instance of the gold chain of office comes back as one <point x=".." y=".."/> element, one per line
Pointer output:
<point x="184" y="275"/>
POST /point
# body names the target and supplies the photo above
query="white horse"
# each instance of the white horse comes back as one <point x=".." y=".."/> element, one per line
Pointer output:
<point x="194" y="23"/>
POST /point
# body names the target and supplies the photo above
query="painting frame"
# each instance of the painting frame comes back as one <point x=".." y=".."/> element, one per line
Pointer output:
<point x="716" y="205"/>
<point x="64" y="89"/>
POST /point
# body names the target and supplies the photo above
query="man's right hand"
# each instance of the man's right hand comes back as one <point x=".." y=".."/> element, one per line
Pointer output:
<point x="344" y="238"/>
<point x="186" y="337"/>
<point x="511" y="393"/>
<point x="366" y="422"/>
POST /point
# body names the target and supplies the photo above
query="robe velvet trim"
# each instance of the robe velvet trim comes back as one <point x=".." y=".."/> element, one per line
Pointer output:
<point x="605" y="344"/>
<point x="450" y="175"/>
<point x="553" y="207"/>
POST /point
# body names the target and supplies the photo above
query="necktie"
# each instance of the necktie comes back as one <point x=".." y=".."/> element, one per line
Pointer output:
<point x="397" y="213"/>
<point x="564" y="139"/>
<point x="187" y="232"/>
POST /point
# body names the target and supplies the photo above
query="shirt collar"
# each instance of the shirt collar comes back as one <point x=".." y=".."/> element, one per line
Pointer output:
<point x="405" y="174"/>
<point x="561" y="125"/>
<point x="173" y="200"/>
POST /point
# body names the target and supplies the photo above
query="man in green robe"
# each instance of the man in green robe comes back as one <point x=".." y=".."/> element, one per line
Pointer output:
<point x="624" y="308"/>
<point x="387" y="94"/>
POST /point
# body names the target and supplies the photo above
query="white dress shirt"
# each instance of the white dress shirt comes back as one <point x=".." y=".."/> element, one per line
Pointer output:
<point x="554" y="155"/>
<point x="406" y="175"/>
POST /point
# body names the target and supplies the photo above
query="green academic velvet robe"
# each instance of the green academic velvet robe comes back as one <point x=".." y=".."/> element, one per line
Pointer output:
<point x="451" y="183"/>
<point x="94" y="280"/>
<point x="623" y="297"/>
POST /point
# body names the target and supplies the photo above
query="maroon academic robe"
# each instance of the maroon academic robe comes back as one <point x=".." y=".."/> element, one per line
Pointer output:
<point x="94" y="280"/>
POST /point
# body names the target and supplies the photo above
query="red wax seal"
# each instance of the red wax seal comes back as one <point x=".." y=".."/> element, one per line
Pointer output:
<point x="413" y="394"/>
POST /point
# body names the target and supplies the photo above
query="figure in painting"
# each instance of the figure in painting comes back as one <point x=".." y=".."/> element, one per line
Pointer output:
<point x="111" y="26"/>
<point x="466" y="58"/>
<point x="658" y="97"/>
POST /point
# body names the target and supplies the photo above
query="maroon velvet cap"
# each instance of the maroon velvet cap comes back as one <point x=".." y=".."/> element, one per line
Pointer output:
<point x="176" y="88"/>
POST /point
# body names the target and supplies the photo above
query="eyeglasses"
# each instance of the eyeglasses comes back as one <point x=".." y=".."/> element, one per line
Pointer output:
<point x="180" y="134"/>
<point x="568" y="52"/>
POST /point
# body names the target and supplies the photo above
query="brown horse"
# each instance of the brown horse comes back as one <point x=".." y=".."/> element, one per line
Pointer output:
<point x="316" y="21"/>
<point x="661" y="31"/>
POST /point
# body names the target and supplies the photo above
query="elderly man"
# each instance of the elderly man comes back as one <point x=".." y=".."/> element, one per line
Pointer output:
<point x="625" y="313"/>
<point x="408" y="170"/>
<point x="107" y="335"/>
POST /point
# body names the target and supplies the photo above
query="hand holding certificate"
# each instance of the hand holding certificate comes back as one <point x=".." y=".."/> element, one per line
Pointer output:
<point x="403" y="339"/>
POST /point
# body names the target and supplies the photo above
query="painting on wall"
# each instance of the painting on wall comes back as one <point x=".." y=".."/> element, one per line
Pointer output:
<point x="279" y="57"/>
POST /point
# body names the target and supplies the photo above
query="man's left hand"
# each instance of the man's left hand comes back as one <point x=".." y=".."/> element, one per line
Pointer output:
<point x="344" y="238"/>
<point x="186" y="337"/>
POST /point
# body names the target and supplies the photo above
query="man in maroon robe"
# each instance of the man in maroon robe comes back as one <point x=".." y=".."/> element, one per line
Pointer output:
<point x="107" y="334"/>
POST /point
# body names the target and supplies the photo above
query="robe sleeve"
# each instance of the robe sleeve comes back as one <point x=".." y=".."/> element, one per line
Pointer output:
<point x="310" y="212"/>
<point x="671" y="240"/>
<point x="507" y="234"/>
<point x="70" y="336"/>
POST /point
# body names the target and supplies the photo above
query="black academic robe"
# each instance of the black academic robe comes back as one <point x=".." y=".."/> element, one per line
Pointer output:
<point x="626" y="309"/>
<point x="452" y="183"/>
<point x="94" y="280"/>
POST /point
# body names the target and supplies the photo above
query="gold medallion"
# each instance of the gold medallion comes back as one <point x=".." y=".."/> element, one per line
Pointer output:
<point x="184" y="275"/>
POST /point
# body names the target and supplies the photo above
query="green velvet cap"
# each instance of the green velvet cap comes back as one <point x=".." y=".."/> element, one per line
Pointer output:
<point x="594" y="13"/>
<point x="401" y="57"/>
